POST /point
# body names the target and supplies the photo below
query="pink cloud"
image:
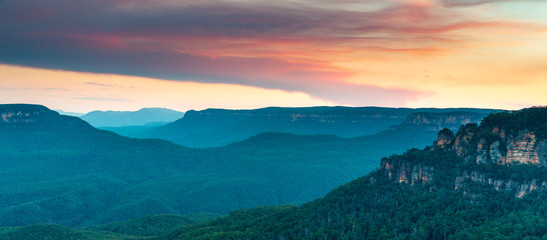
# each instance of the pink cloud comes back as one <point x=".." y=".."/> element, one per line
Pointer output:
<point x="270" y="46"/>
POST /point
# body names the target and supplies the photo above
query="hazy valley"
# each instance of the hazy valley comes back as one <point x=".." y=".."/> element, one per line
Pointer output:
<point x="59" y="169"/>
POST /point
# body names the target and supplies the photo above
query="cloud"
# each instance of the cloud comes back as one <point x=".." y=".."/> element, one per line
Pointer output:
<point x="466" y="3"/>
<point x="292" y="46"/>
<point x="99" y="84"/>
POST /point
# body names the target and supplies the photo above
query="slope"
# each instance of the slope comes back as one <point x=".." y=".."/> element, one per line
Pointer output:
<point x="147" y="227"/>
<point x="446" y="191"/>
<point x="53" y="231"/>
<point x="216" y="127"/>
<point x="61" y="170"/>
<point x="145" y="116"/>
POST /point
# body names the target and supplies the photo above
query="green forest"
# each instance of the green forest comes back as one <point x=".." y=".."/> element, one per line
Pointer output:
<point x="374" y="206"/>
<point x="61" y="170"/>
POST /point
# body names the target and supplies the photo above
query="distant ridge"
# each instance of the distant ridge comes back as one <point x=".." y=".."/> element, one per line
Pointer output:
<point x="484" y="182"/>
<point x="217" y="127"/>
<point x="60" y="169"/>
<point x="144" y="116"/>
<point x="75" y="114"/>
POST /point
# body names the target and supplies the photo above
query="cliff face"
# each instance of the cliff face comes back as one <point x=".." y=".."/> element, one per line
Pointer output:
<point x="524" y="148"/>
<point x="18" y="114"/>
<point x="438" y="121"/>
<point x="519" y="188"/>
<point x="218" y="127"/>
<point x="495" y="144"/>
<point x="25" y="116"/>
<point x="321" y="115"/>
<point x="403" y="171"/>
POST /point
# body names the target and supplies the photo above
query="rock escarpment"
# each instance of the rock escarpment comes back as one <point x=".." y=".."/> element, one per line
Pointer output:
<point x="495" y="146"/>
<point x="217" y="127"/>
<point x="22" y="114"/>
<point x="22" y="117"/>
<point x="519" y="188"/>
<point x="438" y="121"/>
<point x="487" y="154"/>
<point x="403" y="171"/>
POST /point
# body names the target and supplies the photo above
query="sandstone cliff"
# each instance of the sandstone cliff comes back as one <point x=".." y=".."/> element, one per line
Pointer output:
<point x="438" y="121"/>
<point x="485" y="154"/>
<point x="495" y="146"/>
<point x="519" y="188"/>
<point x="17" y="114"/>
<point x="403" y="171"/>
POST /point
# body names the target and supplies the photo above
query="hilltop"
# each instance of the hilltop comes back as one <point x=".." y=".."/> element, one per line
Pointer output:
<point x="484" y="182"/>
<point x="59" y="169"/>
<point x="217" y="127"/>
<point x="142" y="117"/>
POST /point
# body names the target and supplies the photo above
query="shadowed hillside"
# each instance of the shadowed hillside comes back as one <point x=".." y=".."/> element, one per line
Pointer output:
<point x="142" y="117"/>
<point x="59" y="169"/>
<point x="449" y="190"/>
<point x="216" y="127"/>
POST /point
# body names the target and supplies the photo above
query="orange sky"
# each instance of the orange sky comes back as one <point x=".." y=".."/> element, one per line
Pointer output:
<point x="124" y="55"/>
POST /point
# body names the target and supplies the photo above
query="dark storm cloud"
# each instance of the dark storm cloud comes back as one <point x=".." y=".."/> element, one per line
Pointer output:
<point x="247" y="43"/>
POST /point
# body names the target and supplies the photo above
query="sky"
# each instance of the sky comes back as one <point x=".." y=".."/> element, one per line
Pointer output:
<point x="80" y="56"/>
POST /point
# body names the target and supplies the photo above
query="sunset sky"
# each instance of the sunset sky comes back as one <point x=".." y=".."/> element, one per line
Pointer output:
<point x="124" y="55"/>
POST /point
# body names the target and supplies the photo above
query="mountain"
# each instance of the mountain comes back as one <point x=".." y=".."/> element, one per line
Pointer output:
<point x="59" y="169"/>
<point x="75" y="114"/>
<point x="145" y="116"/>
<point x="217" y="127"/>
<point x="484" y="182"/>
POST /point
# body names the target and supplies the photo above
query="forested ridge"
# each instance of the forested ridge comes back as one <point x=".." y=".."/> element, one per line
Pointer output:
<point x="382" y="205"/>
<point x="59" y="169"/>
<point x="414" y="195"/>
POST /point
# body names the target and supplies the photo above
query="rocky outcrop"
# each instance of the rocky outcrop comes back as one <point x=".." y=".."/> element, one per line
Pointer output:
<point x="510" y="143"/>
<point x="520" y="189"/>
<point x="463" y="142"/>
<point x="482" y="152"/>
<point x="494" y="146"/>
<point x="522" y="148"/>
<point x="19" y="114"/>
<point x="402" y="171"/>
<point x="445" y="140"/>
<point x="318" y="114"/>
<point x="23" y="117"/>
<point x="439" y="121"/>
<point x="527" y="149"/>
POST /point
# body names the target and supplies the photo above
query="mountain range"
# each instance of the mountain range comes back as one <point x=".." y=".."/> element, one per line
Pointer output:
<point x="486" y="181"/>
<point x="218" y="127"/>
<point x="59" y="169"/>
<point x="142" y="117"/>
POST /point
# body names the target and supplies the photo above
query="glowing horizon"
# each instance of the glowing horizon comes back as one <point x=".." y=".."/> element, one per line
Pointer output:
<point x="125" y="55"/>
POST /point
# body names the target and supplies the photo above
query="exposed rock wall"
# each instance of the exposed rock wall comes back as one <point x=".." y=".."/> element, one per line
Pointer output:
<point x="480" y="147"/>
<point x="438" y="121"/>
<point x="13" y="115"/>
<point x="523" y="148"/>
<point x="403" y="171"/>
<point x="498" y="147"/>
<point x="519" y="188"/>
<point x="526" y="148"/>
<point x="463" y="143"/>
